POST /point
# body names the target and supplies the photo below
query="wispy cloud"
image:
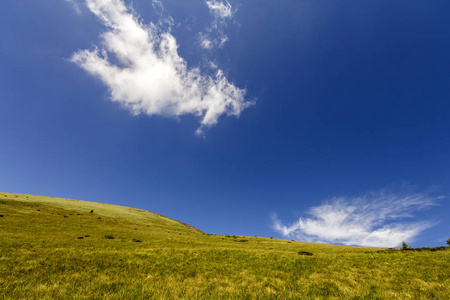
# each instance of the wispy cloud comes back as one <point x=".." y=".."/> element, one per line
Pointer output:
<point x="374" y="220"/>
<point x="146" y="74"/>
<point x="221" y="10"/>
<point x="215" y="34"/>
<point x="75" y="5"/>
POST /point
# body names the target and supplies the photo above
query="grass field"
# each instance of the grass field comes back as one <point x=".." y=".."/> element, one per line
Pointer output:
<point x="52" y="248"/>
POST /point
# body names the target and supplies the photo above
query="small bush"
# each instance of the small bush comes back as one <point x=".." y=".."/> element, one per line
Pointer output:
<point x="109" y="237"/>
<point x="305" y="253"/>
<point x="404" y="245"/>
<point x="387" y="251"/>
<point x="1" y="216"/>
<point x="99" y="218"/>
<point x="137" y="241"/>
<point x="448" y="242"/>
<point x="87" y="235"/>
<point x="81" y="237"/>
<point x="91" y="211"/>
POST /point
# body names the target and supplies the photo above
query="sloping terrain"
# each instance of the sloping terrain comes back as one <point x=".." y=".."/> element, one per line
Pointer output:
<point x="53" y="248"/>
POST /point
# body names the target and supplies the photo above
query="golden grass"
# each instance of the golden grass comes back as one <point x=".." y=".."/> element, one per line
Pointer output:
<point x="55" y="248"/>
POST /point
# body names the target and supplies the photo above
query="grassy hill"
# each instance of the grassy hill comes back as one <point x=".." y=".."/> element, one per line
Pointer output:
<point x="52" y="248"/>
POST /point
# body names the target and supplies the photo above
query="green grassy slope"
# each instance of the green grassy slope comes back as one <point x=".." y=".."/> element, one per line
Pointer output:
<point x="52" y="248"/>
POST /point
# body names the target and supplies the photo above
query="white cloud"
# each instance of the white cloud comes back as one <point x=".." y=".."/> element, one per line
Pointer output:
<point x="75" y="5"/>
<point x="148" y="76"/>
<point x="220" y="10"/>
<point x="215" y="36"/>
<point x="374" y="220"/>
<point x="205" y="42"/>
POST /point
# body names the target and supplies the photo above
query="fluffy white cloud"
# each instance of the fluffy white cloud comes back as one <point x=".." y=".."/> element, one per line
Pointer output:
<point x="148" y="76"/>
<point x="374" y="220"/>
<point x="215" y="34"/>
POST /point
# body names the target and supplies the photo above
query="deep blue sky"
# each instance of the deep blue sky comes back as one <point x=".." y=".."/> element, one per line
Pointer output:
<point x="351" y="99"/>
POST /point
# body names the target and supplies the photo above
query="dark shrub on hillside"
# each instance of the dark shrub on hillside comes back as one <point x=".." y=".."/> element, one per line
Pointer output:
<point x="137" y="241"/>
<point x="81" y="237"/>
<point x="1" y="216"/>
<point x="404" y="245"/>
<point x="388" y="251"/>
<point x="440" y="248"/>
<point x="110" y="237"/>
<point x="305" y="253"/>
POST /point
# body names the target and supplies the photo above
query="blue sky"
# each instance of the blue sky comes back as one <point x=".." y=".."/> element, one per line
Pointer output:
<point x="323" y="121"/>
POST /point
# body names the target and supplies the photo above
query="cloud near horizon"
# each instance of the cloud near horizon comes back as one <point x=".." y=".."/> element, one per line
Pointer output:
<point x="147" y="76"/>
<point x="374" y="220"/>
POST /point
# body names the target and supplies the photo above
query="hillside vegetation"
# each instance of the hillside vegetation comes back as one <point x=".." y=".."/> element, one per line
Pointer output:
<point x="52" y="248"/>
